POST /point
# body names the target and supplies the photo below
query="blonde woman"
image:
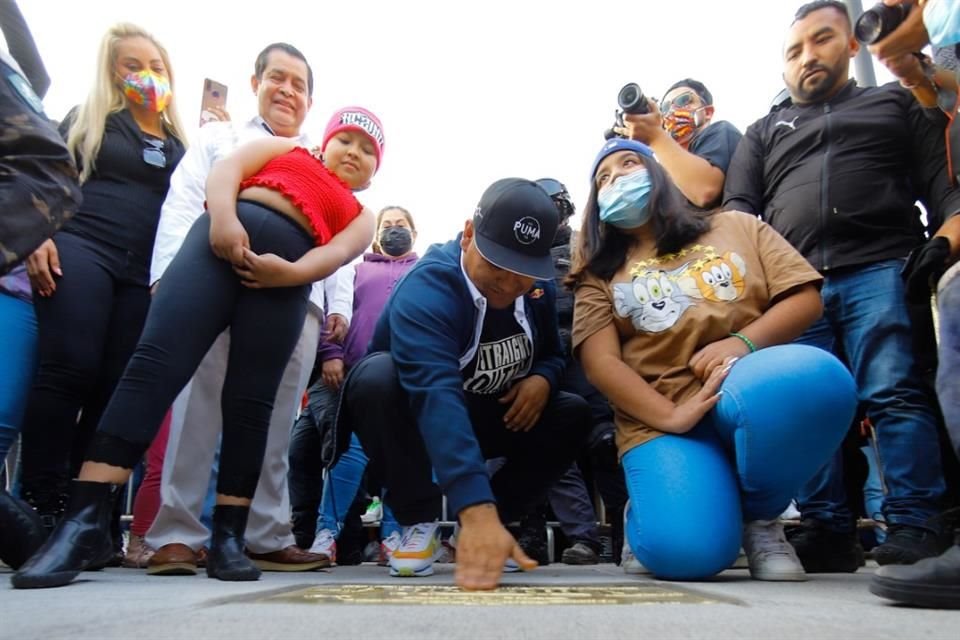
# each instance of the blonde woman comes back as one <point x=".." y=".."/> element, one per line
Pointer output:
<point x="90" y="281"/>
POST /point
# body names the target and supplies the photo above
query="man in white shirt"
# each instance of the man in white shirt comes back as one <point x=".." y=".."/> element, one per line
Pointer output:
<point x="283" y="83"/>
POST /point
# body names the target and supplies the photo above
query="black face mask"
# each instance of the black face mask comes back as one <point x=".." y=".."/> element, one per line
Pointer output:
<point x="396" y="241"/>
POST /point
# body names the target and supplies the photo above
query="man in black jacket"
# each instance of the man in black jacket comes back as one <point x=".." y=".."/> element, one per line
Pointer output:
<point x="837" y="173"/>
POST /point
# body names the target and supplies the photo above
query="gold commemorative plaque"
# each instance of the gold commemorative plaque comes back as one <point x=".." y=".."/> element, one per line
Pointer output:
<point x="384" y="594"/>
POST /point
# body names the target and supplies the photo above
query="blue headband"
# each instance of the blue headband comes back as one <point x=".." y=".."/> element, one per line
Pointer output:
<point x="619" y="144"/>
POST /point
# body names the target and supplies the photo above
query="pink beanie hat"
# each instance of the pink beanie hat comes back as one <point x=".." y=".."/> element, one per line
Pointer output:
<point x="355" y="119"/>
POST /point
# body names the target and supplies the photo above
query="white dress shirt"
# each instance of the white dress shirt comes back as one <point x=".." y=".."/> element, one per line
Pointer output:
<point x="187" y="193"/>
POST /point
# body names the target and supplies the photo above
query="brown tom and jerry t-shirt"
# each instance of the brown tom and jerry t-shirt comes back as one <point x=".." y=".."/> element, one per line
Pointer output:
<point x="667" y="308"/>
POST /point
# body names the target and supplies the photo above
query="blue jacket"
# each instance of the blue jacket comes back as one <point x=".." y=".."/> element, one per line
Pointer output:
<point x="431" y="328"/>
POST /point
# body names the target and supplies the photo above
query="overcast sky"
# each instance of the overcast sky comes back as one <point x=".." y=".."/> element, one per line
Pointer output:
<point x="469" y="92"/>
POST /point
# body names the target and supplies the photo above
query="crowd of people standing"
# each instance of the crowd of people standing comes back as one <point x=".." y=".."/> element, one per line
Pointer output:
<point x="731" y="308"/>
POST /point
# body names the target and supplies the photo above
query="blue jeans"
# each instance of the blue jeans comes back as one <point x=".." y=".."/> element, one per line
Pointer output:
<point x="948" y="372"/>
<point x="18" y="346"/>
<point x="866" y="323"/>
<point x="784" y="410"/>
<point x="873" y="491"/>
<point x="340" y="488"/>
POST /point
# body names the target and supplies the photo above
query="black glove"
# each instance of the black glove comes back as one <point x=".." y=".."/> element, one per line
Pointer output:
<point x="924" y="267"/>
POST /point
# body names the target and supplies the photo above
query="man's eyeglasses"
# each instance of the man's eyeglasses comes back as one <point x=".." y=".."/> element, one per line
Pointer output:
<point x="153" y="153"/>
<point x="681" y="101"/>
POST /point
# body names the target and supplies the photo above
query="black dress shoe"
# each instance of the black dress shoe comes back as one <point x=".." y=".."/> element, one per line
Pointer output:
<point x="931" y="582"/>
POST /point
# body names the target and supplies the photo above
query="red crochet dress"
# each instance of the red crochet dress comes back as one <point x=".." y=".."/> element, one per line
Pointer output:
<point x="326" y="200"/>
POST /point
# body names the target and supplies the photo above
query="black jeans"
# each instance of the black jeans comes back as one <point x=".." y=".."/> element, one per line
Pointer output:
<point x="376" y="407"/>
<point x="306" y="457"/>
<point x="87" y="331"/>
<point x="601" y="463"/>
<point x="198" y="297"/>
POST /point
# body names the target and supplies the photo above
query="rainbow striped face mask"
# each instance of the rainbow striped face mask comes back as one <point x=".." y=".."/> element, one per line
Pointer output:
<point x="148" y="89"/>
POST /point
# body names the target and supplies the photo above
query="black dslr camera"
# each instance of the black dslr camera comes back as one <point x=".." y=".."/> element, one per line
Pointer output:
<point x="630" y="100"/>
<point x="877" y="23"/>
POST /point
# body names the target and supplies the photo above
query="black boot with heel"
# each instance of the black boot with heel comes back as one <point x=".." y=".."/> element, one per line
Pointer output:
<point x="227" y="560"/>
<point x="81" y="539"/>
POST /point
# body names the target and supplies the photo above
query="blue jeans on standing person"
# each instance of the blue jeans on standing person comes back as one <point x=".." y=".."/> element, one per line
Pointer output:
<point x="866" y="322"/>
<point x="873" y="491"/>
<point x="340" y="488"/>
<point x="783" y="411"/>
<point x="948" y="372"/>
<point x="18" y="346"/>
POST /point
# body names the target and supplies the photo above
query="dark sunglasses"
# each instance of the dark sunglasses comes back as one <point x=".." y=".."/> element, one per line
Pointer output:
<point x="153" y="153"/>
<point x="681" y="101"/>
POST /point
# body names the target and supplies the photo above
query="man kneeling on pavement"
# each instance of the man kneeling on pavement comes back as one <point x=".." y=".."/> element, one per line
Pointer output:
<point x="464" y="366"/>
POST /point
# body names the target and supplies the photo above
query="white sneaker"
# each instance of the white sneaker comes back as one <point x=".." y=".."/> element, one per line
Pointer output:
<point x="419" y="547"/>
<point x="325" y="543"/>
<point x="511" y="566"/>
<point x="629" y="561"/>
<point x="387" y="547"/>
<point x="791" y="512"/>
<point x="374" y="512"/>
<point x="769" y="554"/>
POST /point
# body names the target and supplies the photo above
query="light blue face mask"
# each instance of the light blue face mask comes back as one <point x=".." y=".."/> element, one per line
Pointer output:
<point x="624" y="203"/>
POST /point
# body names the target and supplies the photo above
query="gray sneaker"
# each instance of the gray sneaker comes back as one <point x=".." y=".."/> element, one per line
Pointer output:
<point x="769" y="554"/>
<point x="579" y="553"/>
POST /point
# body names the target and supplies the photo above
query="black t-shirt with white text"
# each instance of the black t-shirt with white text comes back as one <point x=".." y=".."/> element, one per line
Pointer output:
<point x="504" y="353"/>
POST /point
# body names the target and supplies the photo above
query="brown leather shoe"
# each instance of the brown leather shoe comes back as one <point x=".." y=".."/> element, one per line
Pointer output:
<point x="292" y="558"/>
<point x="173" y="559"/>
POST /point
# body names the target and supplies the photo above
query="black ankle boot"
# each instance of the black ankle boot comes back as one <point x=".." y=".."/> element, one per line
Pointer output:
<point x="81" y="539"/>
<point x="226" y="560"/>
<point x="21" y="532"/>
<point x="49" y="504"/>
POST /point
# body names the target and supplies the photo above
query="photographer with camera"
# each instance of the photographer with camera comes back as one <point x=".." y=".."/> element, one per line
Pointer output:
<point x="694" y="149"/>
<point x="933" y="582"/>
<point x="837" y="173"/>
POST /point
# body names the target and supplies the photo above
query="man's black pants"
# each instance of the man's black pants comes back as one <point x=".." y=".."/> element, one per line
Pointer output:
<point x="376" y="407"/>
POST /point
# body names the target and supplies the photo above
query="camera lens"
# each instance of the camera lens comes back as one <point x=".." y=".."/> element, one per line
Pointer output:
<point x="868" y="27"/>
<point x="632" y="100"/>
<point x="877" y="23"/>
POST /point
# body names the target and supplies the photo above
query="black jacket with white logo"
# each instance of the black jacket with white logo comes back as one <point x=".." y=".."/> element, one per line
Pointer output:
<point x="839" y="179"/>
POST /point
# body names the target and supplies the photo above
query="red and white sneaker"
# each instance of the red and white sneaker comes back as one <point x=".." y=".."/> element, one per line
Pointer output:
<point x="387" y="547"/>
<point x="325" y="543"/>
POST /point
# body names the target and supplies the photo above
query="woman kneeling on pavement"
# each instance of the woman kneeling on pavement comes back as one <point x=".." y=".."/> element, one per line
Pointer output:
<point x="682" y="320"/>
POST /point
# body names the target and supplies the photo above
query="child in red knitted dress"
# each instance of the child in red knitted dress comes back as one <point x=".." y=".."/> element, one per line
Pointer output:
<point x="280" y="217"/>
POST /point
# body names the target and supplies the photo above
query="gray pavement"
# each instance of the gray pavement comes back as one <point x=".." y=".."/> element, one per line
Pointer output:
<point x="125" y="603"/>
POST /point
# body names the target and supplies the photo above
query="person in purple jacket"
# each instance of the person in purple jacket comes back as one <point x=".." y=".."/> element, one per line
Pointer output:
<point x="391" y="257"/>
